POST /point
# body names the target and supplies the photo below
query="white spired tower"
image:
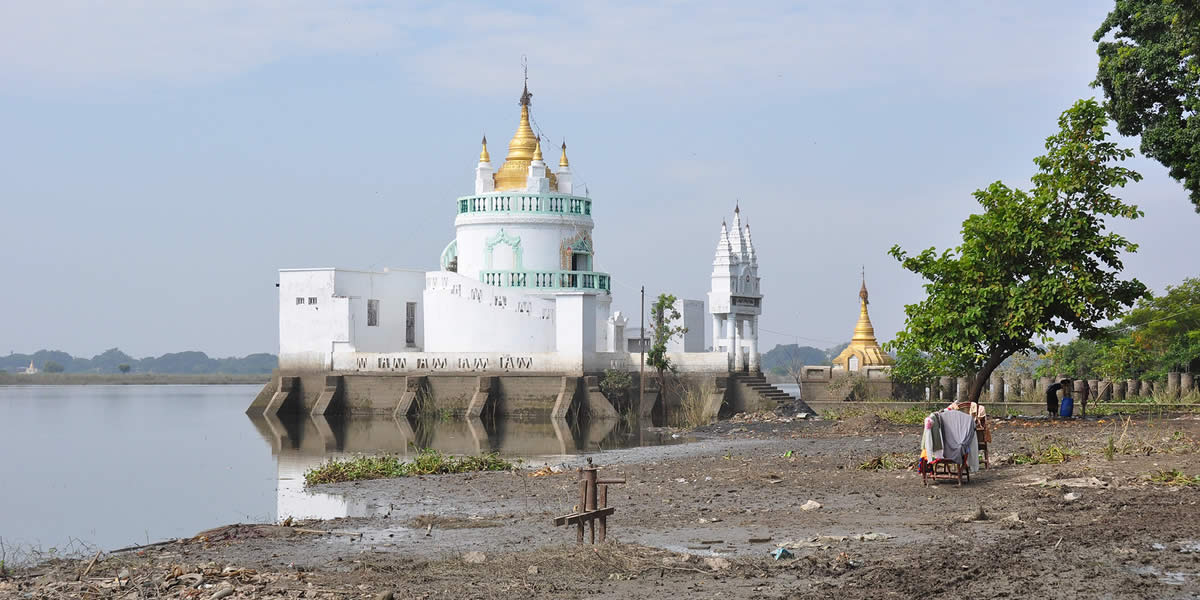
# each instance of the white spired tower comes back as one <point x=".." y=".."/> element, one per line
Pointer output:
<point x="735" y="300"/>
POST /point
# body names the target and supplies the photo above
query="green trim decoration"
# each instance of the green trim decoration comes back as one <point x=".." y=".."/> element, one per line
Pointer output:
<point x="502" y="237"/>
<point x="449" y="254"/>
<point x="549" y="280"/>
<point x="525" y="202"/>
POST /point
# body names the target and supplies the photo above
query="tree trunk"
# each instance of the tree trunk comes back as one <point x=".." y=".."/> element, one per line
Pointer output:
<point x="985" y="373"/>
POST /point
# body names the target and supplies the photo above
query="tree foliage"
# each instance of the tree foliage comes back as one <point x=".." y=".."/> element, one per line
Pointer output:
<point x="1032" y="263"/>
<point x="1162" y="334"/>
<point x="615" y="384"/>
<point x="1150" y="75"/>
<point x="663" y="315"/>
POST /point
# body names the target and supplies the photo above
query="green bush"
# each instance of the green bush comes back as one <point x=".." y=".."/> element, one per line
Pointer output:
<point x="427" y="462"/>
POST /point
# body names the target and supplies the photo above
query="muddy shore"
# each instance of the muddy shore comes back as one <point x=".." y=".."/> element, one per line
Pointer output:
<point x="700" y="519"/>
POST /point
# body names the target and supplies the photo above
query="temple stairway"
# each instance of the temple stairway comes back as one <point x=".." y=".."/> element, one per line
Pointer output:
<point x="770" y="397"/>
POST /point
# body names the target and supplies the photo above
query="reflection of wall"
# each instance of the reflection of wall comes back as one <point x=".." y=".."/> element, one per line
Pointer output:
<point x="301" y="442"/>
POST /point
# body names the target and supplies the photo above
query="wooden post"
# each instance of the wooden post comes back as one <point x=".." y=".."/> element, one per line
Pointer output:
<point x="603" y="519"/>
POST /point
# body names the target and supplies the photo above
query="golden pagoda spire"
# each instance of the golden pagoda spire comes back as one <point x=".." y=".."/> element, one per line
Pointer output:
<point x="511" y="175"/>
<point x="483" y="156"/>
<point x="537" y="150"/>
<point x="863" y="344"/>
<point x="562" y="162"/>
<point x="863" y="330"/>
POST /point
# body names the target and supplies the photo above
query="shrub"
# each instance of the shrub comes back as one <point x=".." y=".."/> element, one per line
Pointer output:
<point x="427" y="462"/>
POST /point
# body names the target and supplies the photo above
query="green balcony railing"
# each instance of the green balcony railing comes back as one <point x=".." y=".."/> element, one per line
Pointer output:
<point x="525" y="203"/>
<point x="549" y="280"/>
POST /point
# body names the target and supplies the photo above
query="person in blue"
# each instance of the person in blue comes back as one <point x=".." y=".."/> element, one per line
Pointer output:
<point x="1052" y="405"/>
<point x="1066" y="409"/>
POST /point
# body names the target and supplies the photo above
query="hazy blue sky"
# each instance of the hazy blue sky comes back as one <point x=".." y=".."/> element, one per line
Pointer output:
<point x="160" y="160"/>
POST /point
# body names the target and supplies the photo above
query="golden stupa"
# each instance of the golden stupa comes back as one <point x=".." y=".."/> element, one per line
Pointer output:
<point x="863" y="345"/>
<point x="525" y="144"/>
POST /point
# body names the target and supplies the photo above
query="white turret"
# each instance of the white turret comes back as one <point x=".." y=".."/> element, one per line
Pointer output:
<point x="734" y="299"/>
<point x="538" y="181"/>
<point x="484" y="180"/>
<point x="564" y="172"/>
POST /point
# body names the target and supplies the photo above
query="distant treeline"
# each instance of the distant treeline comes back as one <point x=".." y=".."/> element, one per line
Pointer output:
<point x="115" y="361"/>
<point x="784" y="356"/>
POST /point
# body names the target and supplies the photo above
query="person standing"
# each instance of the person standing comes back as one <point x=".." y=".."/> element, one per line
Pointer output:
<point x="1067" y="408"/>
<point x="1083" y="391"/>
<point x="1052" y="398"/>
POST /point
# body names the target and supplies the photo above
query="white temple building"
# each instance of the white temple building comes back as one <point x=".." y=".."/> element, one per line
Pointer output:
<point x="516" y="290"/>
<point x="736" y="299"/>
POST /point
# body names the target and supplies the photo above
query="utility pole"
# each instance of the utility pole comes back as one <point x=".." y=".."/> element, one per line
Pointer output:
<point x="642" y="368"/>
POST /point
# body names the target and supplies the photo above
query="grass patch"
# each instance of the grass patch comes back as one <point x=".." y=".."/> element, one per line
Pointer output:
<point x="894" y="461"/>
<point x="692" y="395"/>
<point x="1045" y="454"/>
<point x="838" y="415"/>
<point x="1173" y="477"/>
<point x="428" y="462"/>
<point x="913" y="415"/>
<point x="1146" y="441"/>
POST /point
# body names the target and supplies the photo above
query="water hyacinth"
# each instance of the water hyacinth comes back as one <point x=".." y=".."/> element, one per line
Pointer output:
<point x="427" y="462"/>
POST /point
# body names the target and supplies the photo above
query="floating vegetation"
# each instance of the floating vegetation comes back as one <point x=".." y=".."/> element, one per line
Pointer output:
<point x="428" y="462"/>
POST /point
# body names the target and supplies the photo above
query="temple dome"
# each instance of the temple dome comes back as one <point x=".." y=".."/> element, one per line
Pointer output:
<point x="521" y="149"/>
<point x="863" y="345"/>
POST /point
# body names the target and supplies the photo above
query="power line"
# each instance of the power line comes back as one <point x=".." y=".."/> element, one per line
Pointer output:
<point x="792" y="335"/>
<point x="1136" y="325"/>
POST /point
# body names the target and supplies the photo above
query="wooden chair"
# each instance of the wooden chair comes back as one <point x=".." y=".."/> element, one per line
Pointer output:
<point x="943" y="469"/>
<point x="983" y="436"/>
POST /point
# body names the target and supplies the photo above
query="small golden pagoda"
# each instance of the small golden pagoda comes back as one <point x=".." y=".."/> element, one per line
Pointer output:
<point x="524" y="148"/>
<point x="863" y="345"/>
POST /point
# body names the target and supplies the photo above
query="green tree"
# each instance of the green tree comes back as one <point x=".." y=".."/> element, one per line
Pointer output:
<point x="1162" y="334"/>
<point x="124" y="367"/>
<point x="1081" y="358"/>
<point x="1032" y="264"/>
<point x="1149" y="72"/>
<point x="615" y="384"/>
<point x="663" y="315"/>
<point x="52" y="367"/>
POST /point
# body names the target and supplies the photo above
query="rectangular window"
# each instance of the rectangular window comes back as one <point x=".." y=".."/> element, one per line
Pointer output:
<point x="372" y="313"/>
<point x="410" y="323"/>
<point x="299" y="300"/>
<point x="312" y="300"/>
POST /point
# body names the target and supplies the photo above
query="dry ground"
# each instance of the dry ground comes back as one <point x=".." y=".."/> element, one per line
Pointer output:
<point x="700" y="521"/>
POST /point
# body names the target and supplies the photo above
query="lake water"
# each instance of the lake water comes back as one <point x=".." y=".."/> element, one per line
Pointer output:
<point x="113" y="466"/>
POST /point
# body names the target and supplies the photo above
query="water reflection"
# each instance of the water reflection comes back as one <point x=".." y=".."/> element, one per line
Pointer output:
<point x="300" y="442"/>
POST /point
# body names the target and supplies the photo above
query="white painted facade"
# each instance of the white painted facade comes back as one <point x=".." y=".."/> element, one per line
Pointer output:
<point x="735" y="299"/>
<point x="516" y="281"/>
<point x="325" y="311"/>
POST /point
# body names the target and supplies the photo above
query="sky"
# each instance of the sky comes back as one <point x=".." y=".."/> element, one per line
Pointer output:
<point x="162" y="160"/>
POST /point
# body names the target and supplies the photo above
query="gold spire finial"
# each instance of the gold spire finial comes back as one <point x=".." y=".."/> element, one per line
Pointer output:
<point x="483" y="156"/>
<point x="537" y="150"/>
<point x="863" y="345"/>
<point x="562" y="162"/>
<point x="521" y="149"/>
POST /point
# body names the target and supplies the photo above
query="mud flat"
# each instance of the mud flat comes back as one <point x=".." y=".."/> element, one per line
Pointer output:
<point x="1118" y="519"/>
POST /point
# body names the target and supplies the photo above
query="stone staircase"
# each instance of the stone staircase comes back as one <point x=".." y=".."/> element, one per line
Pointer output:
<point x="771" y="395"/>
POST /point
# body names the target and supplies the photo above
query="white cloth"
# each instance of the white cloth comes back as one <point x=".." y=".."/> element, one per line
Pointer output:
<point x="927" y="442"/>
<point x="958" y="436"/>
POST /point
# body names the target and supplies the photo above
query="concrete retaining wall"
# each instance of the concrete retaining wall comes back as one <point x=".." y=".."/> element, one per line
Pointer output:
<point x="531" y="397"/>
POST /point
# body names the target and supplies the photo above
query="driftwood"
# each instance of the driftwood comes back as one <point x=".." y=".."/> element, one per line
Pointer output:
<point x="144" y="546"/>
<point x="88" y="569"/>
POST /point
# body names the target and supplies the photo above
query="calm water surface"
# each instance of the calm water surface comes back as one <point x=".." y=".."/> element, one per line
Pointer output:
<point x="113" y="466"/>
